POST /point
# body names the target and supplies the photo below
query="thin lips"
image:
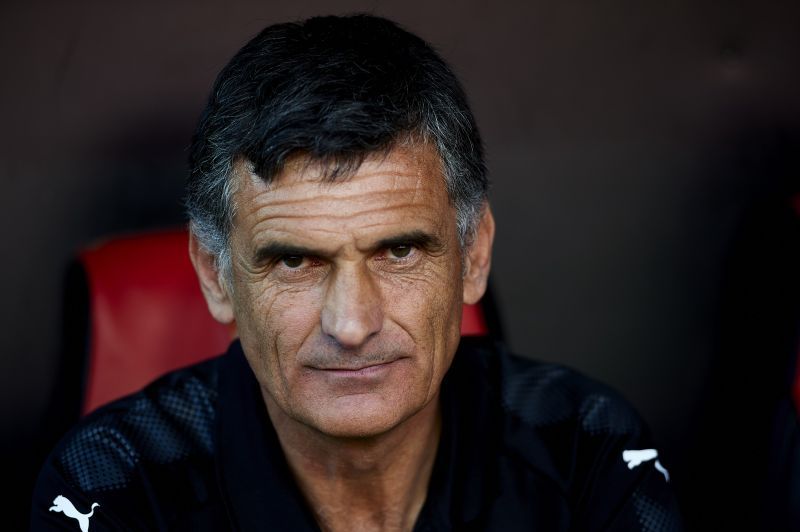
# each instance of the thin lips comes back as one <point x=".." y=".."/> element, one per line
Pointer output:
<point x="356" y="368"/>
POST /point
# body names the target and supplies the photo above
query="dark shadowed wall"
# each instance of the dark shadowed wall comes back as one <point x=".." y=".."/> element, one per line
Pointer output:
<point x="640" y="153"/>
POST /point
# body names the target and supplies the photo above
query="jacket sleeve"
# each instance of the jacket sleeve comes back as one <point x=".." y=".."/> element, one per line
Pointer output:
<point x="624" y="482"/>
<point x="59" y="503"/>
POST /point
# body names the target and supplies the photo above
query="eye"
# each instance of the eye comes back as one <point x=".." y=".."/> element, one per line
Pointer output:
<point x="292" y="261"/>
<point x="400" y="252"/>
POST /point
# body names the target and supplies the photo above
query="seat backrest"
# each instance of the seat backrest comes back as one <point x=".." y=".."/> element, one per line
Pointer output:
<point x="147" y="315"/>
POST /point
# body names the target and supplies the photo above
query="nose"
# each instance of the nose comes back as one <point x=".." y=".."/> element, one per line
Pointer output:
<point x="352" y="311"/>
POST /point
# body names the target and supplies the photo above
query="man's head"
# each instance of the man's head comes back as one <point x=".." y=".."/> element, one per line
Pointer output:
<point x="337" y="203"/>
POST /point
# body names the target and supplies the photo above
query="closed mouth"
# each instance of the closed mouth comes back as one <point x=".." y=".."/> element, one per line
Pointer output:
<point x="357" y="369"/>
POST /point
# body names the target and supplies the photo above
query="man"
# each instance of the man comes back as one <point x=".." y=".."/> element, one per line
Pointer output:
<point x="338" y="216"/>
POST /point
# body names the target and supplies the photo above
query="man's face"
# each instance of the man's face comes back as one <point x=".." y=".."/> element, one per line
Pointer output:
<point x="347" y="296"/>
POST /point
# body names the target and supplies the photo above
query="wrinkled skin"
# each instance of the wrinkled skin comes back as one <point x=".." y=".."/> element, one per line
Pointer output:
<point x="347" y="295"/>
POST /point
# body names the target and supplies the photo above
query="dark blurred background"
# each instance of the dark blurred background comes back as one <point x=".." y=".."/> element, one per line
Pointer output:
<point x="643" y="157"/>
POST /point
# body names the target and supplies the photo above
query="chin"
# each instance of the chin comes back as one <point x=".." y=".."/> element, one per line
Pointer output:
<point x="357" y="417"/>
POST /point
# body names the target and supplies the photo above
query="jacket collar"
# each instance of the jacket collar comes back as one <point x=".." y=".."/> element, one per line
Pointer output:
<point x="256" y="483"/>
<point x="259" y="489"/>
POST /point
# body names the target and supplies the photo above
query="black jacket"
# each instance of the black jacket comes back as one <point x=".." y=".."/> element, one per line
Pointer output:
<point x="524" y="446"/>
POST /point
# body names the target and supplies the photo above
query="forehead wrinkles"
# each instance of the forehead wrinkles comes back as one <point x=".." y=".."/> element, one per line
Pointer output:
<point x="356" y="206"/>
<point x="403" y="186"/>
<point x="354" y="219"/>
<point x="364" y="195"/>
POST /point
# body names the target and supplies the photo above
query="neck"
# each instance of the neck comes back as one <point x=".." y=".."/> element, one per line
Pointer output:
<point x="372" y="483"/>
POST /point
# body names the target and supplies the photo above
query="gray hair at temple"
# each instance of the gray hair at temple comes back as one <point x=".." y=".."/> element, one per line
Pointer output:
<point x="334" y="89"/>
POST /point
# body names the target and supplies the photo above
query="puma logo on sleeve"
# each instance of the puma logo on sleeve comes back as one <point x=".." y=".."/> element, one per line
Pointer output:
<point x="65" y="506"/>
<point x="634" y="458"/>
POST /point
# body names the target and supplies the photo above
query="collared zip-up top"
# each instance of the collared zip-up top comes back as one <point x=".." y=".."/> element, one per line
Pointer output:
<point x="524" y="446"/>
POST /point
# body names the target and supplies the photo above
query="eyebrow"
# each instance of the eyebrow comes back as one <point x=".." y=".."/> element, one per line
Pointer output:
<point x="417" y="238"/>
<point x="274" y="250"/>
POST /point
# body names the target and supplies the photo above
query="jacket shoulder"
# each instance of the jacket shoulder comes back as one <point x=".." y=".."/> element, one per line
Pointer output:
<point x="589" y="442"/>
<point x="543" y="394"/>
<point x="171" y="419"/>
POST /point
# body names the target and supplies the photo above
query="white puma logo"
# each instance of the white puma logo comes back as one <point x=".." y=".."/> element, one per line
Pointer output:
<point x="635" y="457"/>
<point x="62" y="504"/>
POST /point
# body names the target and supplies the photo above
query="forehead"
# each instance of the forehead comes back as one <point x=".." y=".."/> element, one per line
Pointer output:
<point x="402" y="187"/>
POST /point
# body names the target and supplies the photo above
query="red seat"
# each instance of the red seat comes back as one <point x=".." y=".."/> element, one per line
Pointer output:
<point x="147" y="315"/>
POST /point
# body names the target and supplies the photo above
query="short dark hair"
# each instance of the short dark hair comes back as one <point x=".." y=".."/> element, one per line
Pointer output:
<point x="335" y="89"/>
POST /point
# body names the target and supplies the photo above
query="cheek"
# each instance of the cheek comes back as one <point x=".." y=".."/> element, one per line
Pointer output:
<point x="428" y="307"/>
<point x="274" y="323"/>
<point x="294" y="316"/>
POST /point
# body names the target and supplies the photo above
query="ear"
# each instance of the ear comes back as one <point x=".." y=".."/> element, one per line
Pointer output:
<point x="478" y="259"/>
<point x="214" y="290"/>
